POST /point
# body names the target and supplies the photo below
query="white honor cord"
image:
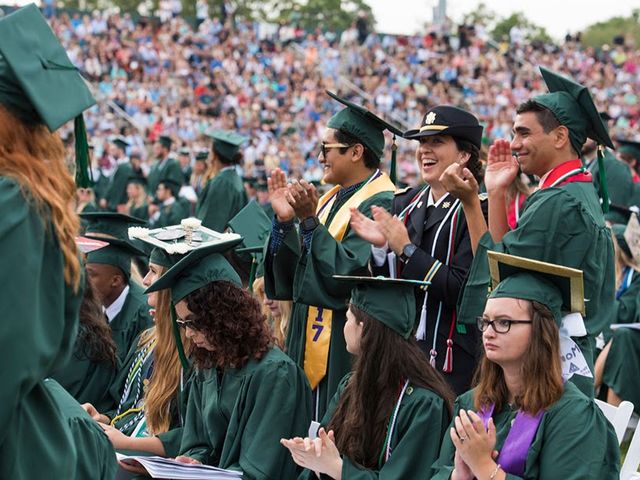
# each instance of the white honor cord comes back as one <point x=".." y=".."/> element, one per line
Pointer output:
<point x="393" y="420"/>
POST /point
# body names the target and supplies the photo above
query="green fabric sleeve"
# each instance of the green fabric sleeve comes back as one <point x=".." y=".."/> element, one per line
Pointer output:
<point x="194" y="443"/>
<point x="280" y="268"/>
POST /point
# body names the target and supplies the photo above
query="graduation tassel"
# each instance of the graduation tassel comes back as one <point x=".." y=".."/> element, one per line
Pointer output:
<point x="421" y="334"/>
<point x="84" y="175"/>
<point x="252" y="273"/>
<point x="448" y="358"/>
<point x="392" y="170"/>
<point x="178" y="339"/>
<point x="432" y="357"/>
<point x="604" y="189"/>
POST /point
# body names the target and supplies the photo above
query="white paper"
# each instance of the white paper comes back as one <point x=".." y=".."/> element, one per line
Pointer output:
<point x="160" y="467"/>
<point x="633" y="326"/>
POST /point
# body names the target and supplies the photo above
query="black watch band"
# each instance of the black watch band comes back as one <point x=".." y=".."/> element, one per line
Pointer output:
<point x="309" y="223"/>
<point x="407" y="251"/>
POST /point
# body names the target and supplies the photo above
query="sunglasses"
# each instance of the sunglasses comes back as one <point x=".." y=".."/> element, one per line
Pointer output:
<point x="328" y="146"/>
<point x="187" y="324"/>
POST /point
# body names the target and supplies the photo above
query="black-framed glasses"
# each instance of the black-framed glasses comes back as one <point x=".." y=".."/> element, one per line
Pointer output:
<point x="502" y="325"/>
<point x="328" y="146"/>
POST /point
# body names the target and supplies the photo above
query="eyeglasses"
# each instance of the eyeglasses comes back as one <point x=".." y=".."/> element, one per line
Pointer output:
<point x="187" y="324"/>
<point x="328" y="146"/>
<point x="499" y="326"/>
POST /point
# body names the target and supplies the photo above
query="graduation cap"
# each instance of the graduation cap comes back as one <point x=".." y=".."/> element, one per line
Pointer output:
<point x="109" y="224"/>
<point x="87" y="245"/>
<point x="631" y="236"/>
<point x="161" y="257"/>
<point x="447" y="120"/>
<point x="629" y="147"/>
<point x="38" y="82"/>
<point x="254" y="225"/>
<point x="165" y="141"/>
<point x="202" y="155"/>
<point x="555" y="286"/>
<point x="390" y="301"/>
<point x="120" y="142"/>
<point x="185" y="151"/>
<point x="225" y="143"/>
<point x="197" y="269"/>
<point x="172" y="184"/>
<point x="366" y="127"/>
<point x="137" y="179"/>
<point x="618" y="232"/>
<point x="117" y="253"/>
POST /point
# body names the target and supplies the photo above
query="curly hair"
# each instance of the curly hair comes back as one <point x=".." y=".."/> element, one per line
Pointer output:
<point x="94" y="335"/>
<point x="232" y="322"/>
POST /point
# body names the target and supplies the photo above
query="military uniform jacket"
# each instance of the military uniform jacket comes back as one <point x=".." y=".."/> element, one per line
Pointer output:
<point x="221" y="199"/>
<point x="131" y="320"/>
<point x="440" y="233"/>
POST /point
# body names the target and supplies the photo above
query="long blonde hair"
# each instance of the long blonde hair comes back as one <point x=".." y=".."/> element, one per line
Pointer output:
<point x="35" y="158"/>
<point x="165" y="379"/>
<point x="279" y="324"/>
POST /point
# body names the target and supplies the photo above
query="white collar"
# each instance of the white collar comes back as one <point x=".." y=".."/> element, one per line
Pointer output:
<point x="114" y="309"/>
<point x="169" y="201"/>
<point x="431" y="202"/>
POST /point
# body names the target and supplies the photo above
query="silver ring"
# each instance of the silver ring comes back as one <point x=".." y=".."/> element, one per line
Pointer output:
<point x="462" y="439"/>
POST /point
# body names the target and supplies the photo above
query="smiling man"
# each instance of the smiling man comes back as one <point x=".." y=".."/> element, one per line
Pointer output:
<point x="562" y="221"/>
<point x="300" y="265"/>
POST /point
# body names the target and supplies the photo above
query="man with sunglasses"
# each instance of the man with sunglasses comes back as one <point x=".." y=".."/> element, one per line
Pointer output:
<point x="299" y="265"/>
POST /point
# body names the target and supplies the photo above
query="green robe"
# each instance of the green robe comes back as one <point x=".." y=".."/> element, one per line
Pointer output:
<point x="40" y="319"/>
<point x="619" y="181"/>
<point x="86" y="380"/>
<point x="172" y="214"/>
<point x="307" y="279"/>
<point x="170" y="170"/>
<point x="562" y="225"/>
<point x="221" y="199"/>
<point x="131" y="320"/>
<point x="421" y="423"/>
<point x="141" y="212"/>
<point x="236" y="418"/>
<point x="96" y="457"/>
<point x="116" y="193"/>
<point x="574" y="441"/>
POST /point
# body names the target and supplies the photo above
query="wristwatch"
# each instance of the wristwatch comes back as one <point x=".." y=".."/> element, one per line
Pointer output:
<point x="309" y="223"/>
<point x="407" y="251"/>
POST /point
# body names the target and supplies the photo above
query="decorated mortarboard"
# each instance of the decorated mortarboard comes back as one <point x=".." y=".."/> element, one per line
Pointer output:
<point x="226" y="143"/>
<point x="366" y="127"/>
<point x="573" y="107"/>
<point x="165" y="141"/>
<point x="202" y="155"/>
<point x="448" y="120"/>
<point x="253" y="224"/>
<point x="38" y="82"/>
<point x="629" y="147"/>
<point x="618" y="232"/>
<point x="87" y="245"/>
<point x="120" y="142"/>
<point x="109" y="224"/>
<point x="632" y="236"/>
<point x="559" y="288"/>
<point x="117" y="253"/>
<point x="390" y="301"/>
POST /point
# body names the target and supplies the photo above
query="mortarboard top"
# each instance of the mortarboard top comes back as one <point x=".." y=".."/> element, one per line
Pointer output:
<point x="362" y="124"/>
<point x="184" y="151"/>
<point x="447" y="120"/>
<point x="197" y="269"/>
<point x="226" y="143"/>
<point x="202" y="155"/>
<point x="117" y="253"/>
<point x="87" y="245"/>
<point x="38" y="82"/>
<point x="139" y="179"/>
<point x="109" y="224"/>
<point x="559" y="288"/>
<point x="390" y="301"/>
<point x="173" y="184"/>
<point x="572" y="105"/>
<point x="120" y="142"/>
<point x="629" y="147"/>
<point x="165" y="141"/>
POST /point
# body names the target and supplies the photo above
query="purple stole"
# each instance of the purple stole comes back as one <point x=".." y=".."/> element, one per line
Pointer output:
<point x="513" y="454"/>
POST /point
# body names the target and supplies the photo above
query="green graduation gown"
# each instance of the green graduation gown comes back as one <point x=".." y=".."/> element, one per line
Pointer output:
<point x="168" y="169"/>
<point x="96" y="457"/>
<point x="86" y="380"/>
<point x="574" y="441"/>
<point x="40" y="319"/>
<point x="172" y="214"/>
<point x="307" y="279"/>
<point x="116" y="193"/>
<point x="421" y="423"/>
<point x="141" y="212"/>
<point x="221" y="199"/>
<point x="562" y="225"/>
<point x="131" y="320"/>
<point x="619" y="181"/>
<point x="236" y="418"/>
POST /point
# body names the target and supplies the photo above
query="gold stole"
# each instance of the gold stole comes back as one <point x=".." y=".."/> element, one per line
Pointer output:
<point x="318" y="334"/>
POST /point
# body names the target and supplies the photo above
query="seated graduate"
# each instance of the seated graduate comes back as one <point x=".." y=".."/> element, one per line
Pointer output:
<point x="523" y="419"/>
<point x="247" y="394"/>
<point x="389" y="414"/>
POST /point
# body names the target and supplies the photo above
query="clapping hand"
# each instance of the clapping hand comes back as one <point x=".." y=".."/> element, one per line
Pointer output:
<point x="502" y="166"/>
<point x="319" y="455"/>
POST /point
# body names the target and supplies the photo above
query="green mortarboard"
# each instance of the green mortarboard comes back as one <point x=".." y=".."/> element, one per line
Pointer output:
<point x="165" y="141"/>
<point x="202" y="155"/>
<point x="391" y="301"/>
<point x="559" y="288"/>
<point x="118" y="253"/>
<point x="261" y="184"/>
<point x="197" y="269"/>
<point x="120" y="142"/>
<point x="572" y="105"/>
<point x="87" y="245"/>
<point x="109" y="224"/>
<point x="226" y="144"/>
<point x="139" y="179"/>
<point x="618" y="232"/>
<point x="173" y="184"/>
<point x="159" y="256"/>
<point x="629" y="147"/>
<point x="38" y="82"/>
<point x="185" y="151"/>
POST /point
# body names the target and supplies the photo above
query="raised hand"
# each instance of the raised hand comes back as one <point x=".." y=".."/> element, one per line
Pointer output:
<point x="303" y="197"/>
<point x="277" y="185"/>
<point x="392" y="228"/>
<point x="502" y="167"/>
<point x="460" y="182"/>
<point x="366" y="228"/>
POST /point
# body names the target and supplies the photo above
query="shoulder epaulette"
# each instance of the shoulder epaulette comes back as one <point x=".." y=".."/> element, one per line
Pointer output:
<point x="483" y="196"/>
<point x="400" y="191"/>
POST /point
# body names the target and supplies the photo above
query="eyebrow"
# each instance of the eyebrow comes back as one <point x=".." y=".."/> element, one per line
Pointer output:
<point x="498" y="317"/>
<point x="520" y="129"/>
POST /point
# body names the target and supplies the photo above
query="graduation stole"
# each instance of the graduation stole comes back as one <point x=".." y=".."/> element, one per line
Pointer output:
<point x="567" y="172"/>
<point x="319" y="319"/>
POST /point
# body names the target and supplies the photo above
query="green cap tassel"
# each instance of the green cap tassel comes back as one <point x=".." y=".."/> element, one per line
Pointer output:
<point x="392" y="170"/>
<point x="604" y="190"/>
<point x="178" y="339"/>
<point x="252" y="273"/>
<point x="84" y="176"/>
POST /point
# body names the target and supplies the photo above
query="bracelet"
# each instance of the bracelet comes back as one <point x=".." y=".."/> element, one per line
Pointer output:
<point x="495" y="472"/>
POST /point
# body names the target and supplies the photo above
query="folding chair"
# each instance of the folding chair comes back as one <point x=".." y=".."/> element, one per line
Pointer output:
<point x="618" y="417"/>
